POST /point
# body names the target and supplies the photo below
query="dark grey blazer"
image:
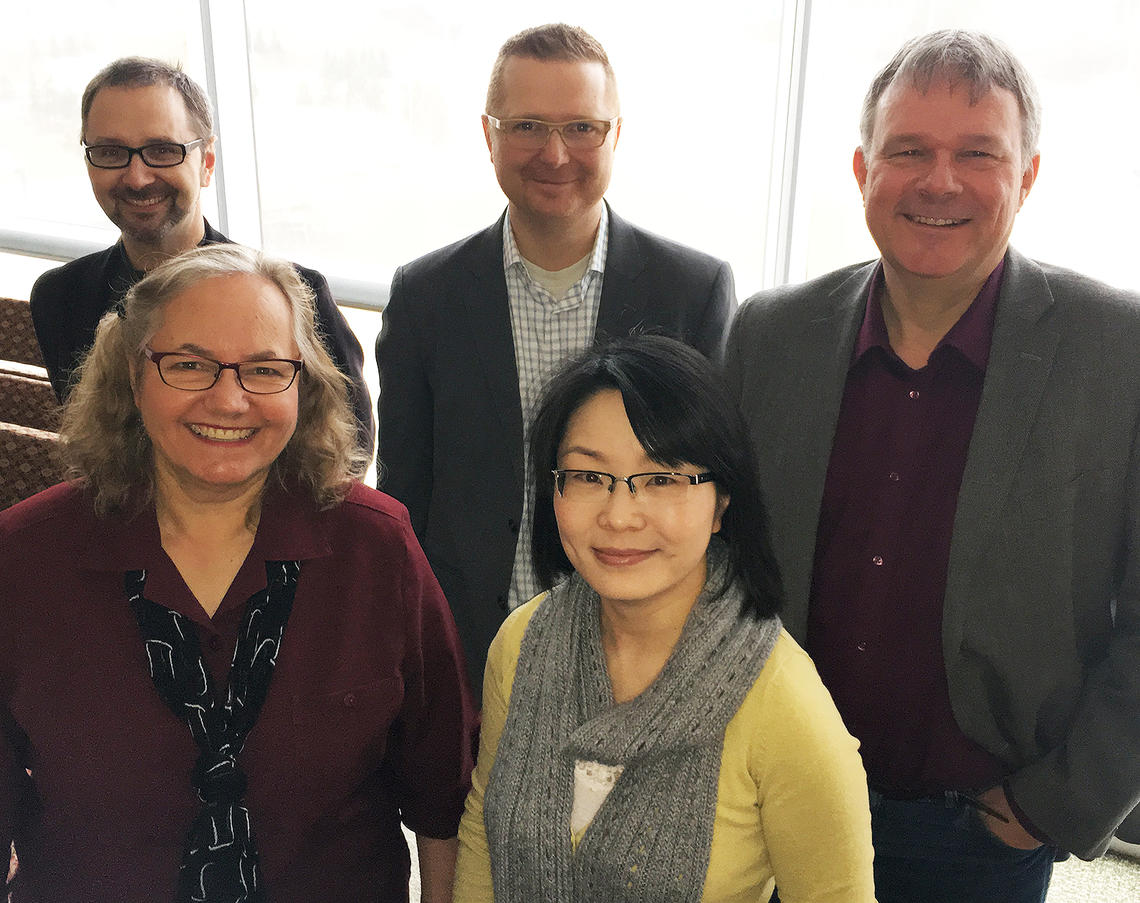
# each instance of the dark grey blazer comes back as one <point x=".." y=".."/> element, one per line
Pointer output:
<point x="1041" y="619"/>
<point x="450" y="415"/>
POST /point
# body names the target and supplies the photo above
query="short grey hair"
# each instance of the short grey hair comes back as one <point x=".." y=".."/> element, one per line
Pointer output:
<point x="980" y="61"/>
<point x="142" y="72"/>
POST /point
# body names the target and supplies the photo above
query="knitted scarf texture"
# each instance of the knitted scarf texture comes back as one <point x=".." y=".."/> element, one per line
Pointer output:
<point x="219" y="864"/>
<point x="649" y="842"/>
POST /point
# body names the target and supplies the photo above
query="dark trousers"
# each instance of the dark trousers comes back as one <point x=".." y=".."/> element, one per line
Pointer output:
<point x="938" y="850"/>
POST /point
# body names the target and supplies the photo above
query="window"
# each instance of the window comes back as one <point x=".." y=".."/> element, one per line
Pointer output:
<point x="371" y="152"/>
<point x="1079" y="214"/>
<point x="49" y="57"/>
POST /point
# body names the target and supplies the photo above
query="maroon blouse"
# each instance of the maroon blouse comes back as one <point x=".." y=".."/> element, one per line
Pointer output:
<point x="368" y="721"/>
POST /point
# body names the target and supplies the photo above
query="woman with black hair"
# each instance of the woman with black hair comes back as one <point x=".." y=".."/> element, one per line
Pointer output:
<point x="649" y="732"/>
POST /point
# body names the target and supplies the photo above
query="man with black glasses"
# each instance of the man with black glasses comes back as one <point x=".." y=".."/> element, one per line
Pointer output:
<point x="472" y="331"/>
<point x="148" y="138"/>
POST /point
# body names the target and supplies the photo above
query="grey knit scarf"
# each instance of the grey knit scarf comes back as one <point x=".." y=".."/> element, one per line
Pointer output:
<point x="650" y="839"/>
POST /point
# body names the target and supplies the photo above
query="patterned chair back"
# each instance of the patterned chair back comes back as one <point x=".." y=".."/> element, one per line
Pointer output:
<point x="17" y="335"/>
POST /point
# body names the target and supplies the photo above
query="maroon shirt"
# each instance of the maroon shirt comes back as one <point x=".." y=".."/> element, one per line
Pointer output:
<point x="883" y="548"/>
<point x="367" y="722"/>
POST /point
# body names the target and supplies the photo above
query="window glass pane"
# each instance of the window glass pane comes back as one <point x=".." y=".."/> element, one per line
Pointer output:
<point x="1081" y="211"/>
<point x="50" y="52"/>
<point x="371" y="152"/>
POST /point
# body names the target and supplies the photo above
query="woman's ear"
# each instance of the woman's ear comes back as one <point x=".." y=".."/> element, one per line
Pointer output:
<point x="722" y="500"/>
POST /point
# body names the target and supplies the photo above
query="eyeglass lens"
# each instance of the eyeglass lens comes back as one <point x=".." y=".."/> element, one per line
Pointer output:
<point x="117" y="156"/>
<point x="591" y="485"/>
<point x="533" y="133"/>
<point x="196" y="373"/>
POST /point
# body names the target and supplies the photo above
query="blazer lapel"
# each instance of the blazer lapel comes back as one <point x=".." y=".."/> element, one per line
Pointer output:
<point x="805" y="401"/>
<point x="487" y="316"/>
<point x="1021" y="357"/>
<point x="624" y="297"/>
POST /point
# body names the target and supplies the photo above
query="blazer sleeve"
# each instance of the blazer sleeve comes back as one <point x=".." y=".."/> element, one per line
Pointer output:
<point x="345" y="350"/>
<point x="711" y="334"/>
<point x="1080" y="791"/>
<point x="404" y="411"/>
<point x="50" y="320"/>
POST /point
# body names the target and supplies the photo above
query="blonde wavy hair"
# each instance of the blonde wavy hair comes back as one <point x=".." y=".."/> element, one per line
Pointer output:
<point x="102" y="439"/>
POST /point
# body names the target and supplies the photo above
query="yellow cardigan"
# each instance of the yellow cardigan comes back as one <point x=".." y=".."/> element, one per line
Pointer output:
<point x="791" y="803"/>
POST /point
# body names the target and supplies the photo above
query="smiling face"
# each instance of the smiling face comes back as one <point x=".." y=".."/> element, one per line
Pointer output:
<point x="219" y="443"/>
<point x="943" y="181"/>
<point x="155" y="208"/>
<point x="633" y="551"/>
<point x="552" y="184"/>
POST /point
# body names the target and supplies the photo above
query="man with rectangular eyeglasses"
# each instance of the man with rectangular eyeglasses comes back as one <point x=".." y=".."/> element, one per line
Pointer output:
<point x="148" y="139"/>
<point x="472" y="331"/>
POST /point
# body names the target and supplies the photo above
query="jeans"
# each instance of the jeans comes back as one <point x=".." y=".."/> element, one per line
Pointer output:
<point x="938" y="850"/>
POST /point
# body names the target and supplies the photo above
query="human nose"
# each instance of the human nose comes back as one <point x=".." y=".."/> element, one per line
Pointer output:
<point x="137" y="174"/>
<point x="941" y="177"/>
<point x="554" y="151"/>
<point x="622" y="509"/>
<point x="227" y="392"/>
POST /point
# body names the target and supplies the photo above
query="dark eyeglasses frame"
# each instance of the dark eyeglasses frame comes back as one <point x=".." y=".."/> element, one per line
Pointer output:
<point x="695" y="479"/>
<point x="131" y="151"/>
<point x="157" y="356"/>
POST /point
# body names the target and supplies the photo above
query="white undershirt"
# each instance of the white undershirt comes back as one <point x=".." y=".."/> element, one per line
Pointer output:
<point x="593" y="782"/>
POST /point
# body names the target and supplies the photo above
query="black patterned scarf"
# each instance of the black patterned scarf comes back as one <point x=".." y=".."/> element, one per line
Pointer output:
<point x="219" y="864"/>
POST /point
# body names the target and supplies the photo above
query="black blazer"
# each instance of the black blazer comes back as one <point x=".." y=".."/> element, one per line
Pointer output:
<point x="450" y="414"/>
<point x="69" y="301"/>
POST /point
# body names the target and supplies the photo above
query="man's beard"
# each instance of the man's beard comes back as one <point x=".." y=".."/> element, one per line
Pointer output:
<point x="147" y="230"/>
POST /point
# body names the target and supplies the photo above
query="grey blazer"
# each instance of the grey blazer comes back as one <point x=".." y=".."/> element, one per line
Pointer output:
<point x="450" y="414"/>
<point x="1041" y="618"/>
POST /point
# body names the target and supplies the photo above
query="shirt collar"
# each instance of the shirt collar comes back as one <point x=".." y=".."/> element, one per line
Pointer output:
<point x="290" y="529"/>
<point x="971" y="335"/>
<point x="511" y="255"/>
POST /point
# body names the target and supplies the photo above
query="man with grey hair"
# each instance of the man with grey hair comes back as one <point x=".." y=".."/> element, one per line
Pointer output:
<point x="471" y="332"/>
<point x="148" y="138"/>
<point x="949" y="441"/>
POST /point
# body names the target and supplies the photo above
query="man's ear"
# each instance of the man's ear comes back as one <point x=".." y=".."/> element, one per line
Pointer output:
<point x="859" y="167"/>
<point x="209" y="160"/>
<point x="1028" y="178"/>
<point x="487" y="137"/>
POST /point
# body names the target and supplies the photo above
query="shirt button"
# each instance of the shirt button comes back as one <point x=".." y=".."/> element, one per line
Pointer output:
<point x="893" y="476"/>
<point x="877" y="561"/>
<point x="349" y="700"/>
<point x="862" y="647"/>
<point x="215" y="642"/>
<point x="913" y="393"/>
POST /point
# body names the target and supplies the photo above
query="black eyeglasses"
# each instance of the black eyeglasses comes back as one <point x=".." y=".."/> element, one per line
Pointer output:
<point x="597" y="485"/>
<point x="197" y="374"/>
<point x="160" y="155"/>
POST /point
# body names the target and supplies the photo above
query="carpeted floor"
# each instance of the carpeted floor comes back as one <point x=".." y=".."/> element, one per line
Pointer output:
<point x="1110" y="879"/>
